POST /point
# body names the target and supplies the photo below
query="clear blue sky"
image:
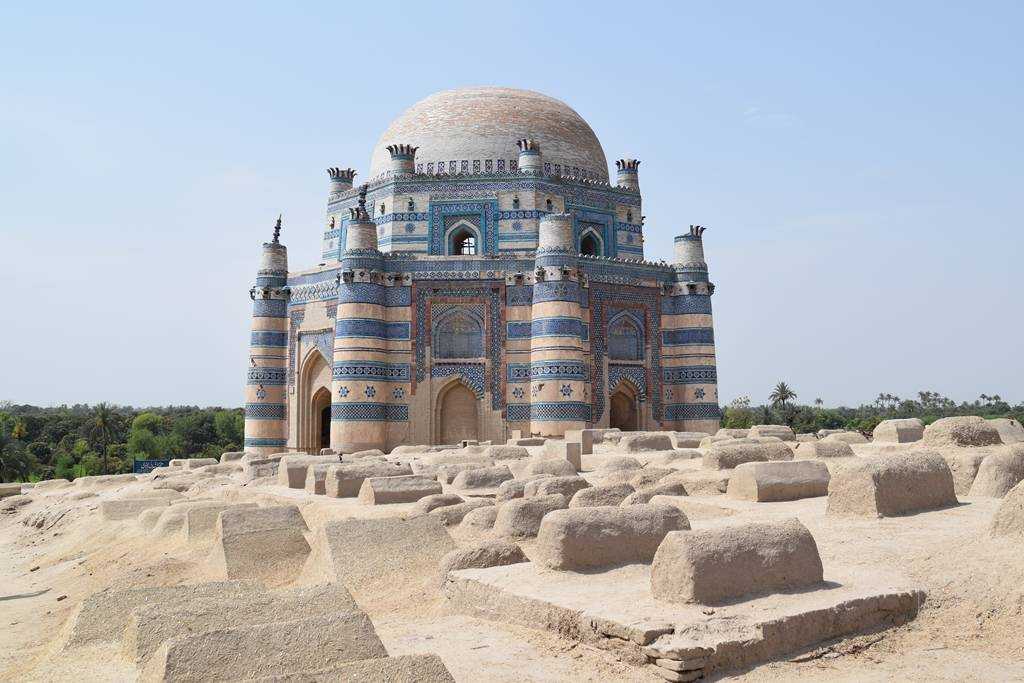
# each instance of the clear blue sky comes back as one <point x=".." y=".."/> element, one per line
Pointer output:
<point x="858" y="166"/>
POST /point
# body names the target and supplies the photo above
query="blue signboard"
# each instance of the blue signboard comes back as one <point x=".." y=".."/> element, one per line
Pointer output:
<point x="147" y="466"/>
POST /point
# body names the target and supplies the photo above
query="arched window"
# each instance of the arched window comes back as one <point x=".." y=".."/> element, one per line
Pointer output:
<point x="625" y="341"/>
<point x="590" y="245"/>
<point x="463" y="242"/>
<point x="458" y="335"/>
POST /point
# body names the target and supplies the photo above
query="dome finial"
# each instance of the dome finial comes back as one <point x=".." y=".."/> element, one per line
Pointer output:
<point x="359" y="213"/>
<point x="277" y="230"/>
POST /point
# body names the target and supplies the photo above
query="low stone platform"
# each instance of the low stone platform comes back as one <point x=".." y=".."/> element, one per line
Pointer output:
<point x="615" y="610"/>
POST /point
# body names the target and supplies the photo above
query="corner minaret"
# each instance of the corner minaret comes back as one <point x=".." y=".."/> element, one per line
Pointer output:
<point x="359" y="399"/>
<point x="628" y="173"/>
<point x="265" y="427"/>
<point x="341" y="180"/>
<point x="689" y="262"/>
<point x="688" y="341"/>
<point x="403" y="159"/>
<point x="559" y="397"/>
<point x="529" y="156"/>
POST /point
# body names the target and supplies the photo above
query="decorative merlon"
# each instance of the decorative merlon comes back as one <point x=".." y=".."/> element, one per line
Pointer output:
<point x="402" y="151"/>
<point x="341" y="175"/>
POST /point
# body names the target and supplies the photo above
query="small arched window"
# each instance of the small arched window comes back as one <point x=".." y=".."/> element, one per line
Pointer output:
<point x="549" y="204"/>
<point x="463" y="242"/>
<point x="625" y="341"/>
<point x="629" y="216"/>
<point x="458" y="335"/>
<point x="589" y="245"/>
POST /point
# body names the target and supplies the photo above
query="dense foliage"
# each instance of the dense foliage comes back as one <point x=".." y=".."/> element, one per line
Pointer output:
<point x="68" y="442"/>
<point x="929" y="406"/>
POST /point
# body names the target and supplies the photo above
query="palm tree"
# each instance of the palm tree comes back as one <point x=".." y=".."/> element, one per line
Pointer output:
<point x="101" y="428"/>
<point x="818" y="402"/>
<point x="781" y="394"/>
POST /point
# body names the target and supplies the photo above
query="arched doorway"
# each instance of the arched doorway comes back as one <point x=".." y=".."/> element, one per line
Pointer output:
<point x="590" y="245"/>
<point x="623" y="409"/>
<point x="321" y="412"/>
<point x="457" y="417"/>
<point x="314" y="394"/>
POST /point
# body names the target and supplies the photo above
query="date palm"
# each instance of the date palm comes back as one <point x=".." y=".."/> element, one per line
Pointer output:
<point x="102" y="429"/>
<point x="781" y="394"/>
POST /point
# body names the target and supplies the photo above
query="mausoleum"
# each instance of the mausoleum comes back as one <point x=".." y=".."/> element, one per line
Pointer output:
<point x="488" y="277"/>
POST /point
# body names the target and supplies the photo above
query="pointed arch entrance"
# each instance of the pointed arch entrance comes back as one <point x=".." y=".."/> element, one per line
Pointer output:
<point x="314" y="404"/>
<point x="624" y="410"/>
<point x="457" y="417"/>
<point x="322" y="416"/>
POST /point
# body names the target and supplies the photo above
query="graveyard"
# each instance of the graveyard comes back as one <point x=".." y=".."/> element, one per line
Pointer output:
<point x="753" y="554"/>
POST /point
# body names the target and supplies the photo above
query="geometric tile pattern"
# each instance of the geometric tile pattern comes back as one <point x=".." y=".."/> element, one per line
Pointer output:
<point x="370" y="412"/>
<point x="692" y="411"/>
<point x="635" y="373"/>
<point x="372" y="370"/>
<point x="264" y="411"/>
<point x="472" y="374"/>
<point x="690" y="374"/>
<point x="688" y="336"/>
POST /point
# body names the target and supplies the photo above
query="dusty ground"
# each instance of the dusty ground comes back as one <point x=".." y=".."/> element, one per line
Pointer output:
<point x="970" y="628"/>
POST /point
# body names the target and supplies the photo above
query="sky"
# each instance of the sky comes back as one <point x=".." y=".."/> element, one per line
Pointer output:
<point x="858" y="167"/>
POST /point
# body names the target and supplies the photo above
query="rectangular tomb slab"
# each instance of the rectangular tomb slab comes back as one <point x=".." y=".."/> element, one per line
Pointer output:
<point x="618" y="604"/>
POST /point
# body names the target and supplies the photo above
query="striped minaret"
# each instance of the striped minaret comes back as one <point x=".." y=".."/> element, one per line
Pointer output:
<point x="359" y="397"/>
<point x="689" y="373"/>
<point x="266" y="431"/>
<point x="558" y="375"/>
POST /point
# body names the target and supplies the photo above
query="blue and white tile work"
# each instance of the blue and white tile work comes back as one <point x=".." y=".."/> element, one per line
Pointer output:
<point x="494" y="253"/>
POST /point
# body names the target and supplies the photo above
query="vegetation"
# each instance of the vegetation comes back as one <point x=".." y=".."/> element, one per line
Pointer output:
<point x="68" y="442"/>
<point x="929" y="406"/>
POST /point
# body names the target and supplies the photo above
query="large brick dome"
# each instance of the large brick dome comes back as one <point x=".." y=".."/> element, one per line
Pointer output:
<point x="480" y="126"/>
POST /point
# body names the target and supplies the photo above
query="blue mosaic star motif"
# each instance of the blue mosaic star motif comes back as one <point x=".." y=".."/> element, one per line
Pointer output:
<point x="398" y="393"/>
<point x="699" y="392"/>
<point x="370" y="392"/>
<point x="566" y="390"/>
<point x="409" y="227"/>
<point x="517" y="226"/>
<point x="261" y="393"/>
<point x="343" y="391"/>
<point x="518" y="392"/>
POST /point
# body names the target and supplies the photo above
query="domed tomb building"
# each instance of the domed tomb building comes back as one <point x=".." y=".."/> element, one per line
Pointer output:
<point x="488" y="277"/>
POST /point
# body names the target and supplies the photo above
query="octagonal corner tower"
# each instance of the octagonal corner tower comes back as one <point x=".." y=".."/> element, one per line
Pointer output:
<point x="487" y="280"/>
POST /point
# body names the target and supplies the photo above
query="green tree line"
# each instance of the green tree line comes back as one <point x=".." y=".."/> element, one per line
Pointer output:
<point x="929" y="406"/>
<point x="67" y="442"/>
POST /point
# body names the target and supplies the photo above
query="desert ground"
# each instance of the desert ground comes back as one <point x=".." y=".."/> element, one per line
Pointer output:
<point x="605" y="556"/>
